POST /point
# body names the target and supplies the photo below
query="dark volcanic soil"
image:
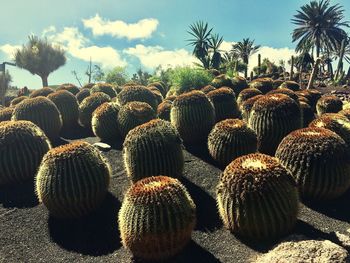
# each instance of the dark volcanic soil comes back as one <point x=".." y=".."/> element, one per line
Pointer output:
<point x="29" y="234"/>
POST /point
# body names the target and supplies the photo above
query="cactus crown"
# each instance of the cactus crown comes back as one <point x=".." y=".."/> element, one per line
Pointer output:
<point x="329" y="120"/>
<point x="105" y="107"/>
<point x="105" y="88"/>
<point x="69" y="87"/>
<point x="275" y="102"/>
<point x="82" y="94"/>
<point x="60" y="95"/>
<point x="291" y="85"/>
<point x="41" y="92"/>
<point x="248" y="93"/>
<point x="285" y="91"/>
<point x="222" y="94"/>
<point x="18" y="100"/>
<point x="208" y="88"/>
<point x="249" y="103"/>
<point x="96" y="98"/>
<point x="70" y="150"/>
<point x="137" y="93"/>
<point x="6" y="113"/>
<point x="190" y="98"/>
<point x="139" y="109"/>
<point x="330" y="101"/>
<point x="231" y="125"/>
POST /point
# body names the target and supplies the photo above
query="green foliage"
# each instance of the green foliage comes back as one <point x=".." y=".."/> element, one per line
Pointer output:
<point x="40" y="57"/>
<point x="267" y="67"/>
<point x="72" y="180"/>
<point x="142" y="232"/>
<point x="117" y="76"/>
<point x="141" y="77"/>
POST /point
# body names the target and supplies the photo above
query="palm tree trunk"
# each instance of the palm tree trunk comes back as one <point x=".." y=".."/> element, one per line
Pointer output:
<point x="44" y="81"/>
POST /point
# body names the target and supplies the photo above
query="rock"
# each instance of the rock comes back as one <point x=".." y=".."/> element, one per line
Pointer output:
<point x="102" y="146"/>
<point x="305" y="251"/>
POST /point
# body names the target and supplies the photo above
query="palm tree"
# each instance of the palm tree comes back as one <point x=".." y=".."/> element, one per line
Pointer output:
<point x="40" y="58"/>
<point x="319" y="26"/>
<point x="244" y="50"/>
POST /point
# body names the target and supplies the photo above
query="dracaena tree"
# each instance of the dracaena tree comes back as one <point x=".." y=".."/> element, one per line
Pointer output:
<point x="40" y="57"/>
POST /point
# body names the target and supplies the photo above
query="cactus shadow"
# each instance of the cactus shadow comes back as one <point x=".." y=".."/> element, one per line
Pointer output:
<point x="76" y="132"/>
<point x="116" y="144"/>
<point x="96" y="234"/>
<point x="201" y="151"/>
<point x="208" y="218"/>
<point x="19" y="195"/>
<point x="58" y="142"/>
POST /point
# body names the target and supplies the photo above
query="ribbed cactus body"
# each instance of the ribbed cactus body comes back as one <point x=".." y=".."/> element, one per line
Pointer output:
<point x="18" y="100"/>
<point x="272" y="118"/>
<point x="158" y="95"/>
<point x="307" y="114"/>
<point x="68" y="106"/>
<point x="257" y="198"/>
<point x="153" y="148"/>
<point x="72" y="180"/>
<point x="304" y="99"/>
<point x="319" y="162"/>
<point x="263" y="84"/>
<point x="287" y="92"/>
<point x="193" y="115"/>
<point x="105" y="122"/>
<point x="328" y="104"/>
<point x="41" y="92"/>
<point x="22" y="146"/>
<point x="345" y="112"/>
<point x="222" y="81"/>
<point x="69" y="87"/>
<point x="160" y="87"/>
<point x="225" y="104"/>
<point x="276" y="83"/>
<point x="312" y="95"/>
<point x="134" y="114"/>
<point x="42" y="112"/>
<point x="334" y="122"/>
<point x="163" y="110"/>
<point x="247" y="106"/>
<point x="105" y="88"/>
<point x="137" y="93"/>
<point x="292" y="85"/>
<point x="82" y="94"/>
<point x="238" y="84"/>
<point x="157" y="218"/>
<point x="6" y="113"/>
<point x="246" y="94"/>
<point x="89" y="105"/>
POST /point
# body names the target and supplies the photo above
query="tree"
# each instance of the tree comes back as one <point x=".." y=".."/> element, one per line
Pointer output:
<point x="244" y="49"/>
<point x="141" y="77"/>
<point x="319" y="26"/>
<point x="40" y="57"/>
<point x="117" y="76"/>
<point x="5" y="80"/>
<point x="231" y="64"/>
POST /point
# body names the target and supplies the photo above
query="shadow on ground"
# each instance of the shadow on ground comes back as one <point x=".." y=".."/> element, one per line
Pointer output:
<point x="76" y="132"/>
<point x="94" y="235"/>
<point x="207" y="216"/>
<point x="201" y="152"/>
<point x="19" y="196"/>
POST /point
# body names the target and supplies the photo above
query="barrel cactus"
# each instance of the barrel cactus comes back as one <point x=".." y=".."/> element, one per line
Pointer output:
<point x="292" y="85"/>
<point x="238" y="84"/>
<point x="257" y="198"/>
<point x="208" y="89"/>
<point x="303" y="99"/>
<point x="17" y="100"/>
<point x="89" y="105"/>
<point x="222" y="81"/>
<point x="328" y="104"/>
<point x="319" y="162"/>
<point x="312" y="95"/>
<point x="158" y="95"/>
<point x="133" y="114"/>
<point x="69" y="87"/>
<point x="68" y="106"/>
<point x="335" y="122"/>
<point x="247" y="106"/>
<point x="225" y="105"/>
<point x="72" y="180"/>
<point x="6" y="113"/>
<point x="105" y="122"/>
<point x="345" y="112"/>
<point x="82" y="94"/>
<point x="307" y="114"/>
<point x="22" y="146"/>
<point x="287" y="92"/>
<point x="156" y="238"/>
<point x="276" y="83"/>
<point x="105" y="88"/>
<point x="137" y="93"/>
<point x="247" y="94"/>
<point x="160" y="87"/>
<point x="88" y="85"/>
<point x="41" y="92"/>
<point x="273" y="117"/>
<point x="262" y="84"/>
<point x="230" y="139"/>
<point x="42" y="112"/>
<point x="193" y="115"/>
<point x="163" y="110"/>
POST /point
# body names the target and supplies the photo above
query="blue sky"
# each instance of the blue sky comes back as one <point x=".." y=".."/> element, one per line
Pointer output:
<point x="137" y="33"/>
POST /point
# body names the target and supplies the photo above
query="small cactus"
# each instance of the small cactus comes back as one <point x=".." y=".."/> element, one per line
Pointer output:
<point x="230" y="139"/>
<point x="82" y="94"/>
<point x="106" y="88"/>
<point x="262" y="84"/>
<point x="157" y="218"/>
<point x="72" y="180"/>
<point x="133" y="114"/>
<point x="41" y="92"/>
<point x="247" y="94"/>
<point x="105" y="122"/>
<point x="137" y="93"/>
<point x="319" y="162"/>
<point x="193" y="115"/>
<point x="6" y="113"/>
<point x="22" y="146"/>
<point x="328" y="104"/>
<point x="153" y="148"/>
<point x="70" y="88"/>
<point x="292" y="85"/>
<point x="225" y="105"/>
<point x="257" y="198"/>
<point x="42" y="112"/>
<point x="163" y="110"/>
<point x="17" y="100"/>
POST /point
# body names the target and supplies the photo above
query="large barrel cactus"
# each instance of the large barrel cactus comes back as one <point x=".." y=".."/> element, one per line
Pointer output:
<point x="105" y="88"/>
<point x="137" y="93"/>
<point x="319" y="162"/>
<point x="41" y="92"/>
<point x="17" y="100"/>
<point x="89" y="105"/>
<point x="273" y="117"/>
<point x="153" y="148"/>
<point x="22" y="146"/>
<point x="68" y="106"/>
<point x="6" y="113"/>
<point x="82" y="94"/>
<point x="193" y="115"/>
<point x="69" y="87"/>
<point x="328" y="104"/>
<point x="105" y="122"/>
<point x="257" y="198"/>
<point x="334" y="122"/>
<point x="238" y="84"/>
<point x="263" y="84"/>
<point x="292" y="85"/>
<point x="163" y="110"/>
<point x="225" y="105"/>
<point x="230" y="139"/>
<point x="42" y="112"/>
<point x="134" y="114"/>
<point x="247" y="94"/>
<point x="157" y="218"/>
<point x="247" y="106"/>
<point x="72" y="180"/>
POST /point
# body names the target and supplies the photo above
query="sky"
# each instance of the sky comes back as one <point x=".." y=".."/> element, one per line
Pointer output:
<point x="141" y="34"/>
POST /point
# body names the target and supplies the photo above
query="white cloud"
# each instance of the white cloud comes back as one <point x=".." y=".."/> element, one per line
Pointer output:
<point x="76" y="44"/>
<point x="226" y="46"/>
<point x="120" y="29"/>
<point x="9" y="50"/>
<point x="153" y="56"/>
